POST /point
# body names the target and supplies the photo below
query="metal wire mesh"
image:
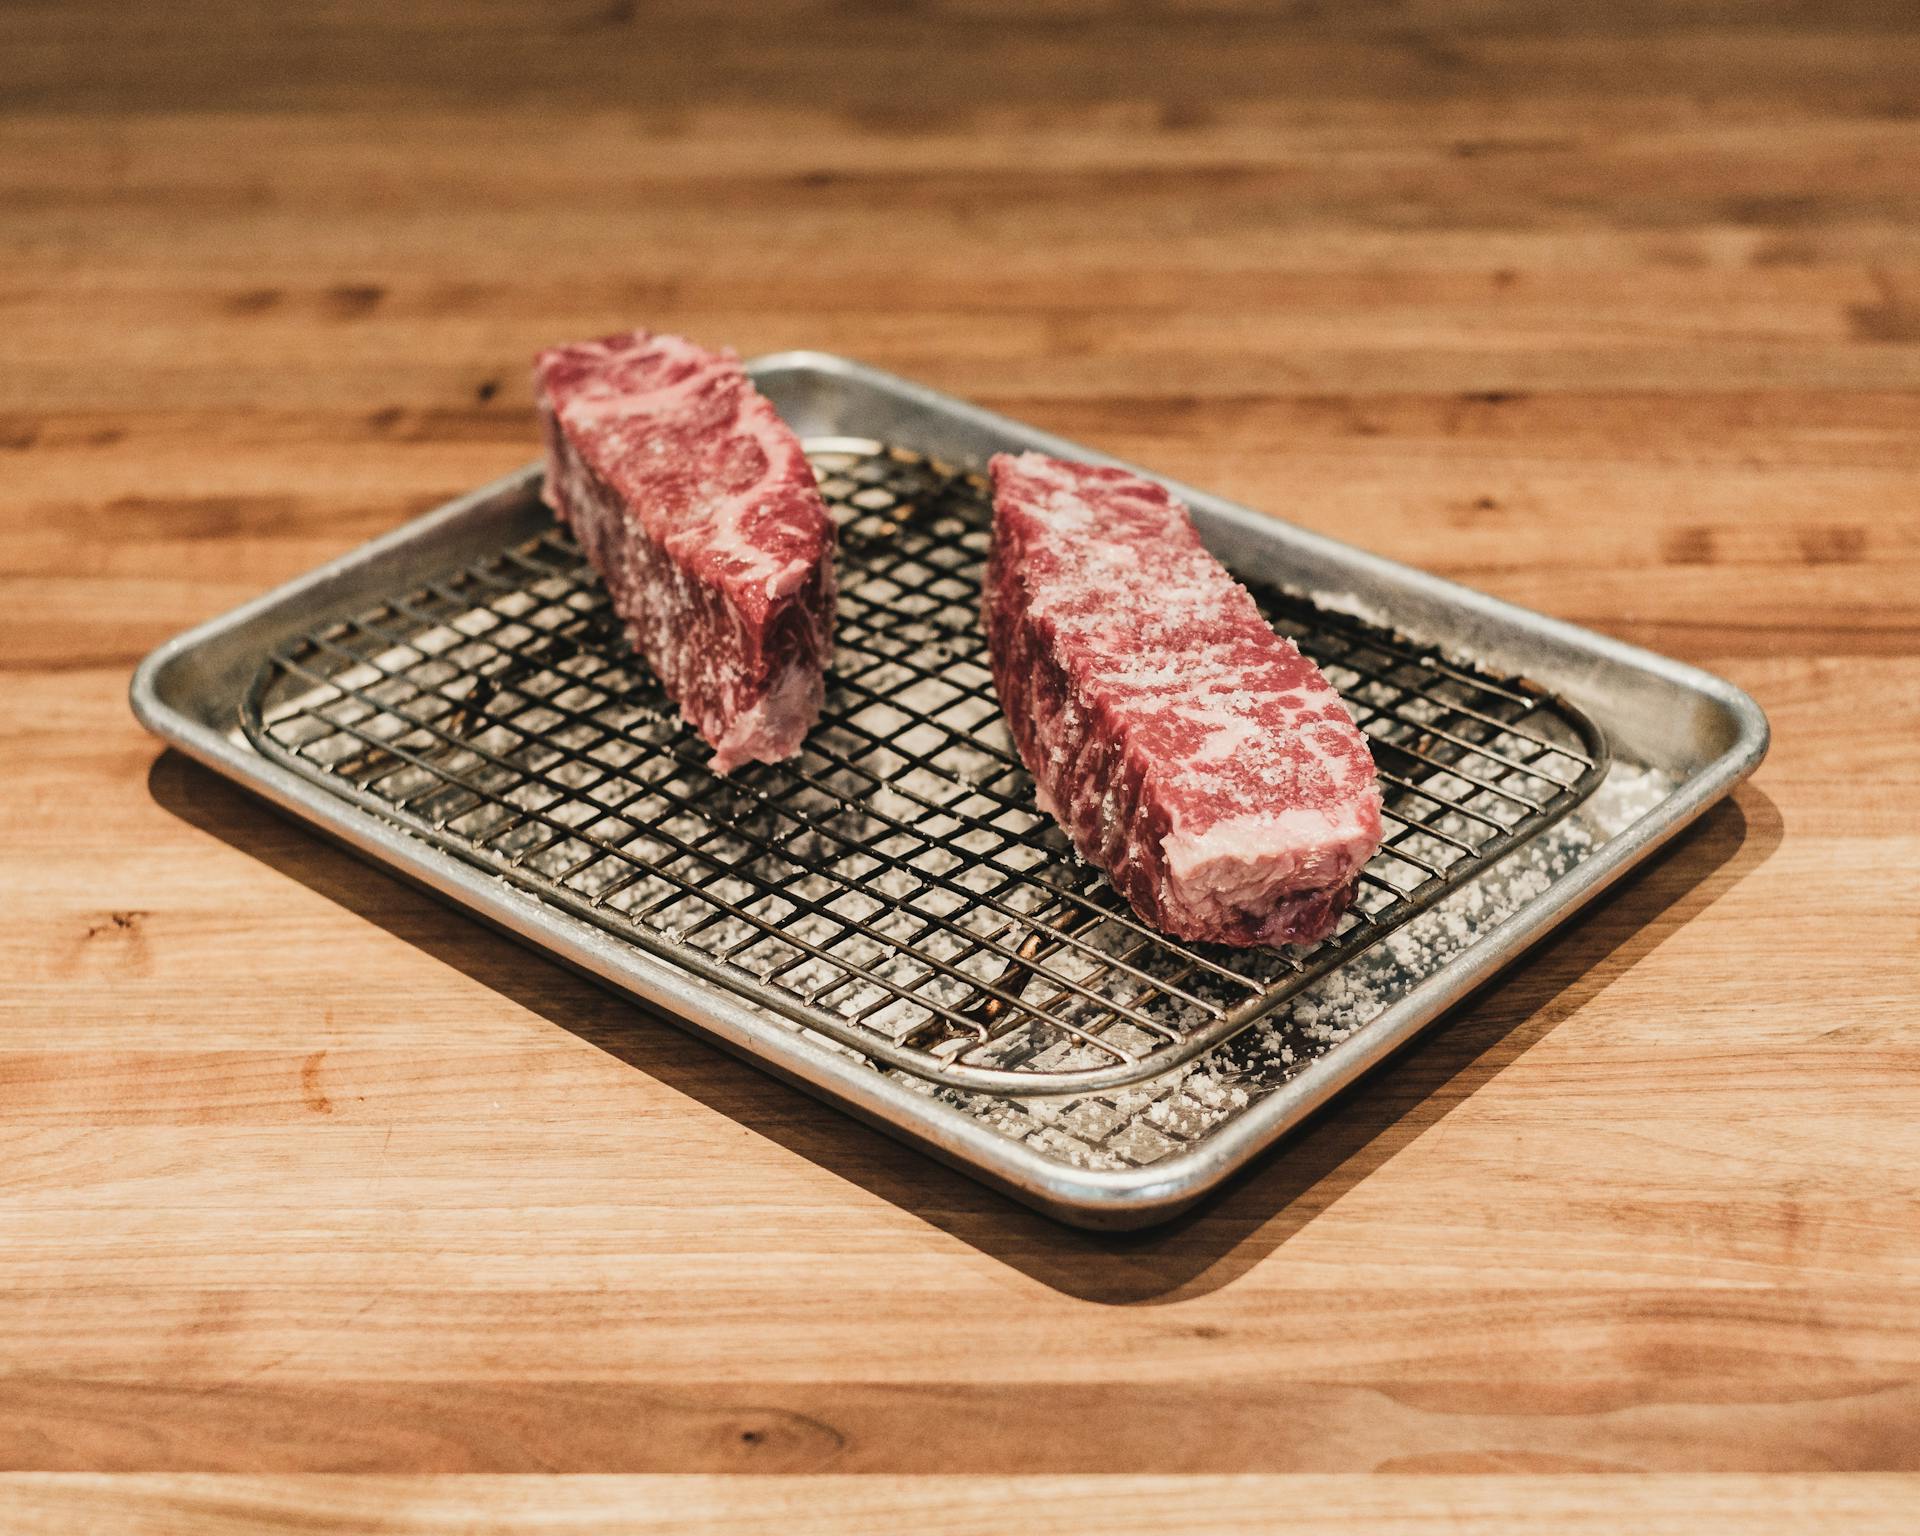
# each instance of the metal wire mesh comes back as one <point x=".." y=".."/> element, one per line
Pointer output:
<point x="894" y="886"/>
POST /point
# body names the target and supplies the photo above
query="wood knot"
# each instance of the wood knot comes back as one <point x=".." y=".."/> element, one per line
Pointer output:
<point x="115" y="924"/>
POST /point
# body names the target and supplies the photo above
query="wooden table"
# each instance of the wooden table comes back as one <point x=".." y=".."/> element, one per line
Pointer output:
<point x="313" y="1191"/>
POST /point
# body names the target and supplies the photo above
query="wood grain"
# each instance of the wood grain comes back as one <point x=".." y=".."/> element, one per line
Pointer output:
<point x="190" y="1505"/>
<point x="1613" y="311"/>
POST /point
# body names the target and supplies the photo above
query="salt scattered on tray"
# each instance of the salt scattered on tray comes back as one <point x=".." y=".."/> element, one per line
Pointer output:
<point x="1146" y="1122"/>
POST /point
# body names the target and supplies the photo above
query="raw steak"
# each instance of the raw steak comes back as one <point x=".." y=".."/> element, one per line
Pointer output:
<point x="694" y="502"/>
<point x="1189" y="751"/>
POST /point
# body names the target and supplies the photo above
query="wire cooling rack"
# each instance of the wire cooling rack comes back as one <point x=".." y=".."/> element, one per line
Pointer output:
<point x="893" y="887"/>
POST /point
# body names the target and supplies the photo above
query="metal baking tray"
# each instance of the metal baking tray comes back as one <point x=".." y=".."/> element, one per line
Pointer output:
<point x="887" y="920"/>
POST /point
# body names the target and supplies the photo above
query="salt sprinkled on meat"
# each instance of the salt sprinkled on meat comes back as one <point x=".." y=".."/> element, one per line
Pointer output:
<point x="697" y="506"/>
<point x="1189" y="751"/>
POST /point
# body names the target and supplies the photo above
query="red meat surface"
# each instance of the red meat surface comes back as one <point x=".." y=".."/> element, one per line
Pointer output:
<point x="1188" y="750"/>
<point x="696" y="505"/>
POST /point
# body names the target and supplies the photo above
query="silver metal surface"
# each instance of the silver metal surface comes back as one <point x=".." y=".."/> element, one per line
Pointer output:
<point x="1099" y="1153"/>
